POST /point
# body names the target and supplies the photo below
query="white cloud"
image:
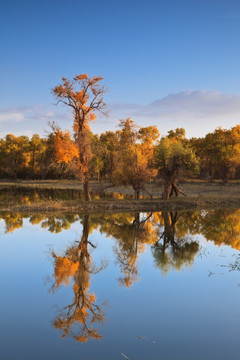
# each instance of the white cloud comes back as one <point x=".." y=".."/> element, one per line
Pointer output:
<point x="12" y="116"/>
<point x="28" y="120"/>
<point x="199" y="112"/>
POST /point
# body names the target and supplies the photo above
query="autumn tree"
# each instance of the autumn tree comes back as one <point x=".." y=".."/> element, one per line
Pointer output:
<point x="13" y="221"/>
<point x="15" y="156"/>
<point x="80" y="319"/>
<point x="221" y="226"/>
<point x="132" y="233"/>
<point x="38" y="147"/>
<point x="84" y="95"/>
<point x="135" y="156"/>
<point x="172" y="154"/>
<point x="222" y="148"/>
<point x="173" y="249"/>
<point x="97" y="162"/>
<point x="109" y="141"/>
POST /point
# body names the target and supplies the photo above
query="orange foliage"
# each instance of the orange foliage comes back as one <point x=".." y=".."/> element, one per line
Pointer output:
<point x="65" y="148"/>
<point x="63" y="270"/>
<point x="84" y="95"/>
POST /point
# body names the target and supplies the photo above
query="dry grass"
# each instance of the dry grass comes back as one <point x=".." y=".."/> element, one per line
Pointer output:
<point x="201" y="194"/>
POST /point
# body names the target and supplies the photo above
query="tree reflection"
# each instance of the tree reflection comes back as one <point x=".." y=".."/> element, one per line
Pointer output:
<point x="13" y="221"/>
<point x="81" y="318"/>
<point x="169" y="234"/>
<point x="173" y="250"/>
<point x="132" y="232"/>
<point x="221" y="226"/>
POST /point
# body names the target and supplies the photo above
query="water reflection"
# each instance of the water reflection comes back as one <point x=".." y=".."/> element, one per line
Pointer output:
<point x="174" y="248"/>
<point x="134" y="230"/>
<point x="24" y="195"/>
<point x="81" y="318"/>
<point x="137" y="245"/>
<point x="169" y="235"/>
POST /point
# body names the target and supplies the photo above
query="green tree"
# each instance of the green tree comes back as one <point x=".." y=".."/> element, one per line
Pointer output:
<point x="172" y="154"/>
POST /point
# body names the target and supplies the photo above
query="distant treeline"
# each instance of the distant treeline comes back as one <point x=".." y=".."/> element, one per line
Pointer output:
<point x="130" y="155"/>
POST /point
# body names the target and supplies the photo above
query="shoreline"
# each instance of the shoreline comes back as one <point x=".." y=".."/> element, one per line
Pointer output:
<point x="155" y="205"/>
<point x="201" y="195"/>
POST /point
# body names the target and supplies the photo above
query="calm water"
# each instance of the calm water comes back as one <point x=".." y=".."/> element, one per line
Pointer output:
<point x="20" y="195"/>
<point x="142" y="286"/>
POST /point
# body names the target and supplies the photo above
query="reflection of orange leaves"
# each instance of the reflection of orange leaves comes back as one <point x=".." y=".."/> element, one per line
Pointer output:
<point x="13" y="221"/>
<point x="81" y="315"/>
<point x="116" y="195"/>
<point x="94" y="334"/>
<point x="84" y="311"/>
<point x="151" y="236"/>
<point x="81" y="338"/>
<point x="92" y="298"/>
<point x="235" y="243"/>
<point x="63" y="324"/>
<point x="129" y="280"/>
<point x="64" y="269"/>
<point x="75" y="288"/>
<point x="226" y="229"/>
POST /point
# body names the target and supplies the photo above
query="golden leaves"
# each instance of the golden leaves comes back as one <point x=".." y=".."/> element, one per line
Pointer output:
<point x="80" y="77"/>
<point x="63" y="270"/>
<point x="65" y="148"/>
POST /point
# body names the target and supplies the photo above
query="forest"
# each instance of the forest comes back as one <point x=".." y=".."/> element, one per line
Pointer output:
<point x="130" y="156"/>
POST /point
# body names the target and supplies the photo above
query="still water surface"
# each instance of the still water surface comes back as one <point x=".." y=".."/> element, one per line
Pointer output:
<point x="111" y="286"/>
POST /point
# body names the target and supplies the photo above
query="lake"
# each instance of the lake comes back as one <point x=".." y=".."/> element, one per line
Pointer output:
<point x="132" y="286"/>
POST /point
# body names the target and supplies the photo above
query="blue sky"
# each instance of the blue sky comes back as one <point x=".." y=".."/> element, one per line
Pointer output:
<point x="171" y="63"/>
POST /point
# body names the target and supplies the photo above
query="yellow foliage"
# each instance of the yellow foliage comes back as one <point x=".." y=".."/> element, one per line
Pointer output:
<point x="65" y="149"/>
<point x="64" y="269"/>
<point x="81" y="338"/>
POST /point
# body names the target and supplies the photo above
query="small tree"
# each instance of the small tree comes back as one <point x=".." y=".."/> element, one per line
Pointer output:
<point x="171" y="155"/>
<point x="85" y="96"/>
<point x="135" y="156"/>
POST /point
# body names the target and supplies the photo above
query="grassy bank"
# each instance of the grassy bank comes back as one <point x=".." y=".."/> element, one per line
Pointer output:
<point x="127" y="205"/>
<point x="201" y="195"/>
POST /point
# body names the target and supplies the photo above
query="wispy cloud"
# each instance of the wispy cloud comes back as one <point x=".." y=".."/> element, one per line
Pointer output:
<point x="199" y="112"/>
<point x="24" y="113"/>
<point x="27" y="120"/>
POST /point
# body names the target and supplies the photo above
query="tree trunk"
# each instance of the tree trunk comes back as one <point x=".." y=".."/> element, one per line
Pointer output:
<point x="137" y="190"/>
<point x="169" y="227"/>
<point x="144" y="189"/>
<point x="170" y="186"/>
<point x="87" y="196"/>
<point x="167" y="188"/>
<point x="85" y="231"/>
<point x="85" y="155"/>
<point x="137" y="194"/>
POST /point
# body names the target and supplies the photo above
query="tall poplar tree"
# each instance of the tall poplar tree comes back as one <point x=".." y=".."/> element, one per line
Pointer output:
<point x="84" y="95"/>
